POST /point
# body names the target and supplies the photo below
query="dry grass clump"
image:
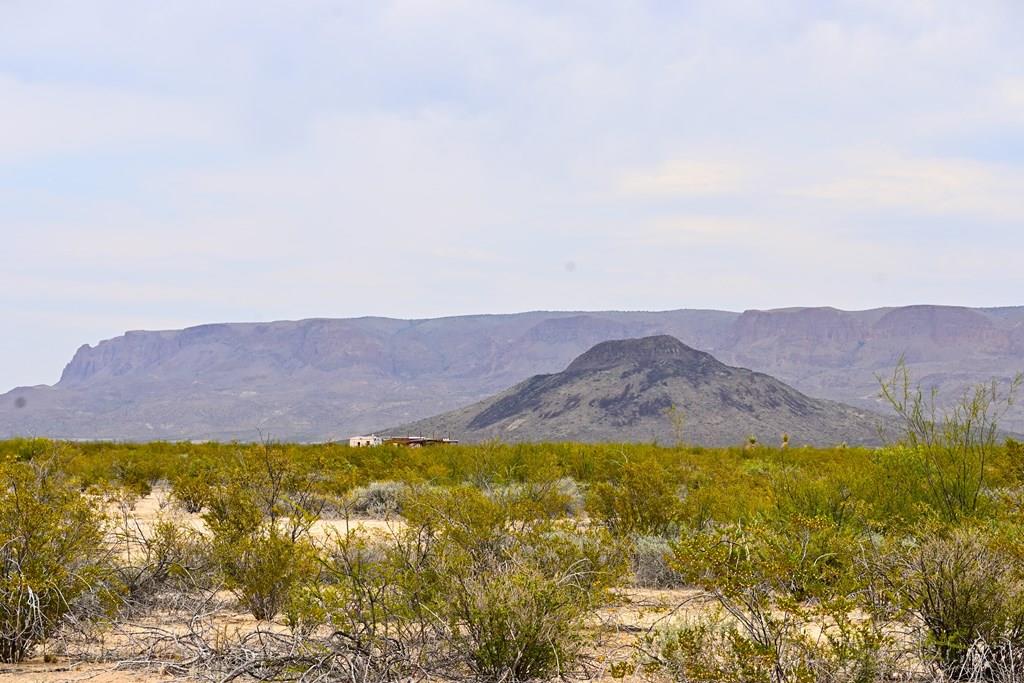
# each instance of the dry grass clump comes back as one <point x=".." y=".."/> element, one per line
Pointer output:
<point x="649" y="560"/>
<point x="378" y="499"/>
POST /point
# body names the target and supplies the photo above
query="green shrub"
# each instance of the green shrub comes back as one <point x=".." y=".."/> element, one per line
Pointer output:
<point x="801" y="559"/>
<point x="193" y="484"/>
<point x="138" y="473"/>
<point x="544" y="495"/>
<point x="830" y="496"/>
<point x="958" y="445"/>
<point x="151" y="560"/>
<point x="50" y="553"/>
<point x="1015" y="455"/>
<point x="777" y="581"/>
<point x="29" y="449"/>
<point x="263" y="568"/>
<point x="488" y="585"/>
<point x="521" y="624"/>
<point x="964" y="590"/>
<point x="641" y="499"/>
<point x="260" y="516"/>
<point x="711" y="651"/>
<point x="513" y="587"/>
<point x="358" y="593"/>
<point x="716" y="649"/>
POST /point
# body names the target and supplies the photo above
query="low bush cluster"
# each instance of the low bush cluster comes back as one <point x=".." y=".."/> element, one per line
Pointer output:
<point x="378" y="499"/>
<point x="482" y="584"/>
<point x="650" y="561"/>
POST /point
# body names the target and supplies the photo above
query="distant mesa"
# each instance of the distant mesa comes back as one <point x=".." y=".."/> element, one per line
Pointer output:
<point x="655" y="389"/>
<point x="326" y="379"/>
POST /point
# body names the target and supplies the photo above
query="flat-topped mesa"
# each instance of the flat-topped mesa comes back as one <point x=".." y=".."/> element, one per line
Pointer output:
<point x="324" y="379"/>
<point x="645" y="350"/>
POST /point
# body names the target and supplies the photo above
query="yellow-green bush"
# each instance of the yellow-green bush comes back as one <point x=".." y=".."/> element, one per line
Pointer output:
<point x="259" y="516"/>
<point x="50" y="552"/>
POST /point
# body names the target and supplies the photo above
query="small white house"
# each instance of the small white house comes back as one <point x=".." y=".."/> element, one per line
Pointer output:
<point x="360" y="441"/>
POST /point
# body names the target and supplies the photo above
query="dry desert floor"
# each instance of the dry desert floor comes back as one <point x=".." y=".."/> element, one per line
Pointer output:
<point x="616" y="628"/>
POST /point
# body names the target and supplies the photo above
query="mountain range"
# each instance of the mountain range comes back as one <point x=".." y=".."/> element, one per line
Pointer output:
<point x="655" y="389"/>
<point x="323" y="379"/>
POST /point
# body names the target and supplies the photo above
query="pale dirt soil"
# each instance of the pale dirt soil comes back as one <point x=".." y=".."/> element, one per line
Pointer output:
<point x="40" y="672"/>
<point x="158" y="505"/>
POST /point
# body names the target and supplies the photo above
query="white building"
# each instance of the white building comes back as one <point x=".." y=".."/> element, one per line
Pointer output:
<point x="360" y="441"/>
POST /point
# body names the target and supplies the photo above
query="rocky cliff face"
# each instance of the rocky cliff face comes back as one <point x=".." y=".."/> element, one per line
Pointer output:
<point x="629" y="390"/>
<point x="839" y="354"/>
<point x="323" y="378"/>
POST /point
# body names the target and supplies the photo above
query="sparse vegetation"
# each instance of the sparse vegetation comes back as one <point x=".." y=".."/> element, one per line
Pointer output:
<point x="503" y="562"/>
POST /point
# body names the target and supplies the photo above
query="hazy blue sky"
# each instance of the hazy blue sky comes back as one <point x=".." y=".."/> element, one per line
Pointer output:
<point x="169" y="163"/>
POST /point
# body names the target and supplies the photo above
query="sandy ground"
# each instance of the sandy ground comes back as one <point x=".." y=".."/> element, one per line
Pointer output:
<point x="40" y="672"/>
<point x="159" y="505"/>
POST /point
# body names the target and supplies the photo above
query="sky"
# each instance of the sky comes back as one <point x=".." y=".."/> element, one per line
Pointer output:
<point x="164" y="164"/>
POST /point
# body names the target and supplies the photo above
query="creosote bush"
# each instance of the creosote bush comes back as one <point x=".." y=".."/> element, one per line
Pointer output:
<point x="513" y="585"/>
<point x="488" y="585"/>
<point x="50" y="552"/>
<point x="151" y="560"/>
<point x="775" y="583"/>
<point x="260" y="517"/>
<point x="192" y="486"/>
<point x="640" y="498"/>
<point x="716" y="649"/>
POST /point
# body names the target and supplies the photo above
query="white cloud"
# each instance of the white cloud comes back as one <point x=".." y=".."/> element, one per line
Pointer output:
<point x="702" y="231"/>
<point x="1009" y="98"/>
<point x="962" y="188"/>
<point x="681" y="178"/>
<point x="40" y="120"/>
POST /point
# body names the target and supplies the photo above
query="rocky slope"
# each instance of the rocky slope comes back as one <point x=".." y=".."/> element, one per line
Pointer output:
<point x="327" y="378"/>
<point x="654" y="389"/>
